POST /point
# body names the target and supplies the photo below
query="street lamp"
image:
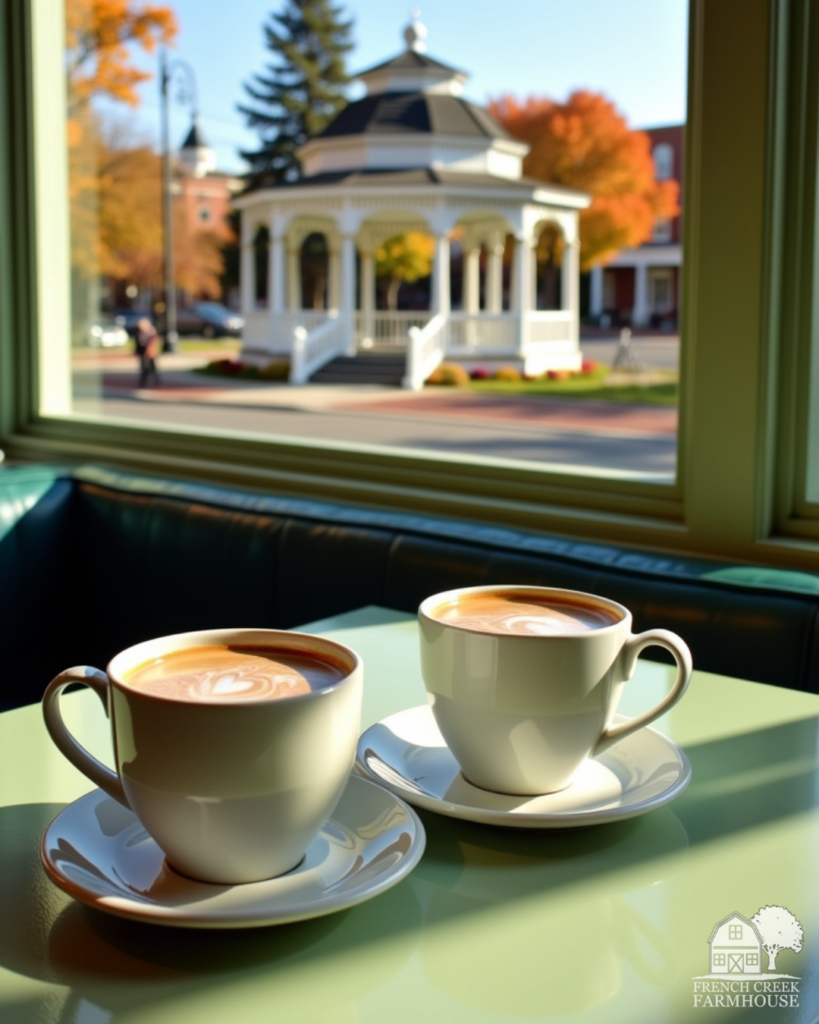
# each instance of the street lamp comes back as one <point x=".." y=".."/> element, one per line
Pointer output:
<point x="166" y="72"/>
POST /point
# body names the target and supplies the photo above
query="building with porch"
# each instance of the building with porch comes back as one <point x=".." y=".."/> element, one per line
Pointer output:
<point x="640" y="287"/>
<point x="412" y="155"/>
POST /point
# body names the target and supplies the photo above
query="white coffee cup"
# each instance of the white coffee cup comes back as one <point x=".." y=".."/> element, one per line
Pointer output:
<point x="521" y="711"/>
<point x="231" y="790"/>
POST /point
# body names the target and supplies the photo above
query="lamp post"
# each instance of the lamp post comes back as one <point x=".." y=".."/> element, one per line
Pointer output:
<point x="166" y="72"/>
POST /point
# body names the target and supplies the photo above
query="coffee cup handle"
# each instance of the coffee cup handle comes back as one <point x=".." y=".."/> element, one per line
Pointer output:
<point x="631" y="650"/>
<point x="107" y="780"/>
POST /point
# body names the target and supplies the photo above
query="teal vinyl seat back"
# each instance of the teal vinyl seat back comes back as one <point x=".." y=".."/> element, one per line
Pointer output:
<point x="93" y="560"/>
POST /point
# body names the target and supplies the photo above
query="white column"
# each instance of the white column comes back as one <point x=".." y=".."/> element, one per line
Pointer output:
<point x="521" y="297"/>
<point x="494" y="280"/>
<point x="334" y="283"/>
<point x="533" y="278"/>
<point x="247" y="279"/>
<point x="347" y="306"/>
<point x="639" y="314"/>
<point x="367" y="297"/>
<point x="570" y="287"/>
<point x="293" y="280"/>
<point x="275" y="288"/>
<point x="472" y="281"/>
<point x="596" y="291"/>
<point x="440" y="276"/>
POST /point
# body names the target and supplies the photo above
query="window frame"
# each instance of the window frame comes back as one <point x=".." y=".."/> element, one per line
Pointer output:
<point x="734" y="495"/>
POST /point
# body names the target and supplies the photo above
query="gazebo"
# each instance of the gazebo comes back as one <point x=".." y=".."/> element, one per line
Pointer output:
<point x="412" y="155"/>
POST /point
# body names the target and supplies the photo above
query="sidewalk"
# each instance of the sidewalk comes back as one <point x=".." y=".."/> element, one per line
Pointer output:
<point x="181" y="385"/>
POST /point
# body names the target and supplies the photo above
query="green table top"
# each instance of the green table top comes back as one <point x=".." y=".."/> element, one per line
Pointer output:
<point x="608" y="924"/>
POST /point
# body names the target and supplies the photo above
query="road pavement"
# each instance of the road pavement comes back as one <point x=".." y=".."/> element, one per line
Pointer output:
<point x="637" y="440"/>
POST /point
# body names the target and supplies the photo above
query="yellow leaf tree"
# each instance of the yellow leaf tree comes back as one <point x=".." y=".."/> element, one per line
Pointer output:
<point x="585" y="143"/>
<point x="403" y="258"/>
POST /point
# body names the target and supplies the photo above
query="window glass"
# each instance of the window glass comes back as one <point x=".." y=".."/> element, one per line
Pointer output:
<point x="428" y="275"/>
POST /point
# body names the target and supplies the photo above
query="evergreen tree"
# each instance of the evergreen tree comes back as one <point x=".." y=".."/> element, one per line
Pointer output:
<point x="302" y="90"/>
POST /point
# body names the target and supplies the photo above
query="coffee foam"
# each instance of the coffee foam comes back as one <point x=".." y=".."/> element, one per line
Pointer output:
<point x="521" y="614"/>
<point x="227" y="674"/>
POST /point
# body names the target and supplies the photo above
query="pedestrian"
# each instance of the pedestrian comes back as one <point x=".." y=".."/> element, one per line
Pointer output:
<point x="147" y="350"/>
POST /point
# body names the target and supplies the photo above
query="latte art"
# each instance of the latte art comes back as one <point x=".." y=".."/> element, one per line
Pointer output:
<point x="228" y="674"/>
<point x="521" y="615"/>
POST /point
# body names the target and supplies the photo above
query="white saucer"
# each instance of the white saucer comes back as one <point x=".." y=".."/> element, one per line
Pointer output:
<point x="98" y="852"/>
<point x="407" y="754"/>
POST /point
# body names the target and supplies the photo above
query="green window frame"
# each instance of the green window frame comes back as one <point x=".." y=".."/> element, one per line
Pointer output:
<point x="719" y="959"/>
<point x="752" y="959"/>
<point x="750" y="213"/>
<point x="734" y="931"/>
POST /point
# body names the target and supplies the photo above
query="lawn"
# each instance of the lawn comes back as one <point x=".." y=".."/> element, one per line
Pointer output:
<point x="650" y="388"/>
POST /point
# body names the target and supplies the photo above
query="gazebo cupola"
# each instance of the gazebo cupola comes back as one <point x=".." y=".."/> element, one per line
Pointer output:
<point x="413" y="115"/>
<point x="411" y="155"/>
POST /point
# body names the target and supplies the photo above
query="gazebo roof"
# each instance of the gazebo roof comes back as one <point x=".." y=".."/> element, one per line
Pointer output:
<point x="410" y="60"/>
<point x="415" y="112"/>
<point x="425" y="176"/>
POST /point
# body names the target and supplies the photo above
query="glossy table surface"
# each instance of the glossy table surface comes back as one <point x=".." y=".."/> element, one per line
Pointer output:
<point x="610" y="923"/>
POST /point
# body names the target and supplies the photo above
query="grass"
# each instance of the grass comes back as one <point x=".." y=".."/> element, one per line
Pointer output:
<point x="209" y="345"/>
<point x="600" y="385"/>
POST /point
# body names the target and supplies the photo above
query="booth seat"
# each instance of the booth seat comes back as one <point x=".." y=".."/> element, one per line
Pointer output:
<point x="93" y="560"/>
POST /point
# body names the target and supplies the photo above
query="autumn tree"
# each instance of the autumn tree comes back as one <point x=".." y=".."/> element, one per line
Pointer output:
<point x="302" y="90"/>
<point x="403" y="258"/>
<point x="98" y="64"/>
<point x="585" y="143"/>
<point x="129" y="235"/>
<point x="779" y="930"/>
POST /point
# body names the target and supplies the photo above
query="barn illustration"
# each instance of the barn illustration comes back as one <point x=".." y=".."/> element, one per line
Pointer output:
<point x="736" y="946"/>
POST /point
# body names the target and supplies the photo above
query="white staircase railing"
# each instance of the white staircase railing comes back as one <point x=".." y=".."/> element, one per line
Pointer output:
<point x="426" y="348"/>
<point x="312" y="351"/>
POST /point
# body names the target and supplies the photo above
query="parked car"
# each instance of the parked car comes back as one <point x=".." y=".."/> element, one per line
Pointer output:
<point x="106" y="334"/>
<point x="210" y="319"/>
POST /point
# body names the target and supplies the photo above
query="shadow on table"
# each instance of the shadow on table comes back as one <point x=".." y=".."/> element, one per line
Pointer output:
<point x="590" y="875"/>
<point x="119" y="965"/>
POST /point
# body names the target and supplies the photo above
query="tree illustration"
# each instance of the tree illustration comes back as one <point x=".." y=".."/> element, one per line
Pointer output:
<point x="302" y="90"/>
<point x="779" y="930"/>
<point x="585" y="143"/>
<point x="404" y="258"/>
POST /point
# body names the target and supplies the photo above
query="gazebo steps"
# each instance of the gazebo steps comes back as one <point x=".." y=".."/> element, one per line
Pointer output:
<point x="386" y="368"/>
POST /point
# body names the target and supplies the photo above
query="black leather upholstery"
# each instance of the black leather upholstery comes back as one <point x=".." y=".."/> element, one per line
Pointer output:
<point x="94" y="560"/>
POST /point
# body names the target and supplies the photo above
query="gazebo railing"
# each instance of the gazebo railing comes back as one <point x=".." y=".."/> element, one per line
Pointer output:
<point x="481" y="331"/>
<point x="283" y="324"/>
<point x="387" y="328"/>
<point x="425" y="350"/>
<point x="313" y="350"/>
<point x="550" y="325"/>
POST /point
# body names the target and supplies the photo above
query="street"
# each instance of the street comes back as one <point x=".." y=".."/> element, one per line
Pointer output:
<point x="635" y="440"/>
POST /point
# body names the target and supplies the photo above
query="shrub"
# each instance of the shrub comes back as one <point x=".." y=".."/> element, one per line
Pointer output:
<point x="507" y="373"/>
<point x="275" y="371"/>
<point x="480" y="373"/>
<point x="588" y="366"/>
<point x="221" y="368"/>
<point x="449" y="375"/>
<point x="558" y="374"/>
<point x="248" y="372"/>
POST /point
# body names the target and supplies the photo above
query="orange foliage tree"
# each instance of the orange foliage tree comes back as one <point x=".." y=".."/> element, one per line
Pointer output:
<point x="129" y="232"/>
<point x="585" y="143"/>
<point x="114" y="181"/>
<point x="97" y="36"/>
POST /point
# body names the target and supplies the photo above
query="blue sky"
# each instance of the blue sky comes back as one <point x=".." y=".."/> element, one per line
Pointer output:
<point x="632" y="50"/>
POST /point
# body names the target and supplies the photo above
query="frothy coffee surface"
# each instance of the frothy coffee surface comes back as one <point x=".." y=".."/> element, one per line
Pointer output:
<point x="523" y="615"/>
<point x="222" y="673"/>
